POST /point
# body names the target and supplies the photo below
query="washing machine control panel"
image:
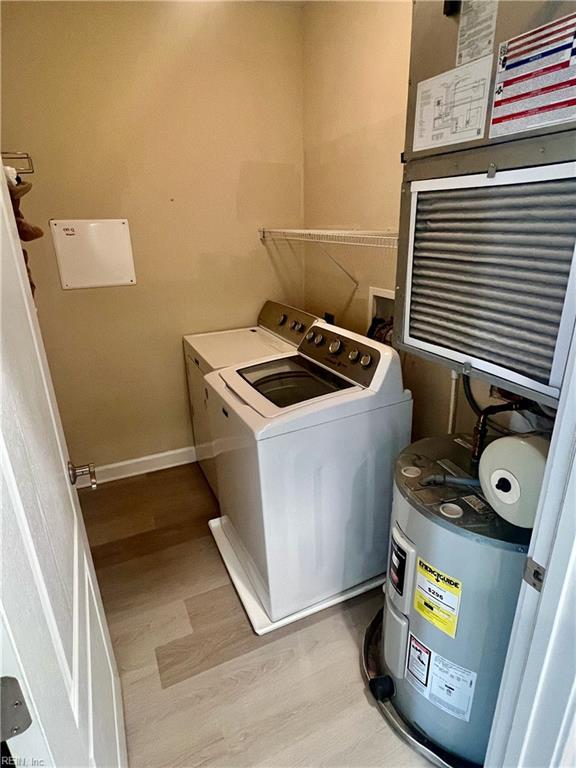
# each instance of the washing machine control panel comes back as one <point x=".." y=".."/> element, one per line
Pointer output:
<point x="287" y="322"/>
<point x="357" y="361"/>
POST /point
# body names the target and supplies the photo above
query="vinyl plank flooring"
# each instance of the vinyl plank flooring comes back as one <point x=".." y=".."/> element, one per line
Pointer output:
<point x="135" y="505"/>
<point x="112" y="513"/>
<point x="136" y="634"/>
<point x="200" y="689"/>
<point x="148" y="542"/>
<point x="103" y="529"/>
<point x="356" y="737"/>
<point x="221" y="631"/>
<point x="175" y="573"/>
<point x="278" y="700"/>
<point x="238" y="692"/>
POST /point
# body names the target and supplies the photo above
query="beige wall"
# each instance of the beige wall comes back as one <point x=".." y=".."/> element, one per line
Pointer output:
<point x="200" y="122"/>
<point x="355" y="89"/>
<point x="356" y="59"/>
<point x="185" y="118"/>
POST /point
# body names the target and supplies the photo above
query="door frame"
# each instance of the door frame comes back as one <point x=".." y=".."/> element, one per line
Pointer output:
<point x="538" y="687"/>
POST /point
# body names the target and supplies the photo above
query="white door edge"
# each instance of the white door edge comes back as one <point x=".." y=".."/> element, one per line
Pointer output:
<point x="53" y="628"/>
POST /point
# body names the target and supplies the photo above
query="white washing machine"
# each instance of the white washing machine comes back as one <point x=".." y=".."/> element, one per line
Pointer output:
<point x="280" y="328"/>
<point x="305" y="449"/>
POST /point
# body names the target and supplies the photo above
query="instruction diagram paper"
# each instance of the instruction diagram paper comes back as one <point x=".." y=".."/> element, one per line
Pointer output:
<point x="451" y="107"/>
<point x="536" y="79"/>
<point x="476" y="30"/>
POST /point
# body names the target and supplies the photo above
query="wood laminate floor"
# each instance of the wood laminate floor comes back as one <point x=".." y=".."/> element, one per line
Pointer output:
<point x="199" y="687"/>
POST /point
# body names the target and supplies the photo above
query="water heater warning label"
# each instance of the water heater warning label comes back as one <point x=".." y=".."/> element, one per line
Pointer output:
<point x="448" y="686"/>
<point x="419" y="661"/>
<point x="437" y="597"/>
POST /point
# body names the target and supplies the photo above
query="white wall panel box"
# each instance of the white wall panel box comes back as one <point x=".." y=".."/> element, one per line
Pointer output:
<point x="93" y="253"/>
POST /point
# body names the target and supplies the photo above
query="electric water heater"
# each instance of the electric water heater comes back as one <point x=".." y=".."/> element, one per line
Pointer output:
<point x="455" y="569"/>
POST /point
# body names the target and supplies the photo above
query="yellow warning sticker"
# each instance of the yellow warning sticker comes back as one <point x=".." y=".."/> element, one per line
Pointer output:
<point x="437" y="597"/>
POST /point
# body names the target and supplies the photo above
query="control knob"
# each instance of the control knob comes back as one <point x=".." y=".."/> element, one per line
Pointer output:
<point x="310" y="337"/>
<point x="294" y="324"/>
<point x="282" y="319"/>
<point x="319" y="339"/>
<point x="299" y="327"/>
<point x="353" y="355"/>
<point x="366" y="361"/>
<point x="335" y="347"/>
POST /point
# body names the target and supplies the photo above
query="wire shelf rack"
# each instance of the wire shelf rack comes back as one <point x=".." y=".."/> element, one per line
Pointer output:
<point x="370" y="239"/>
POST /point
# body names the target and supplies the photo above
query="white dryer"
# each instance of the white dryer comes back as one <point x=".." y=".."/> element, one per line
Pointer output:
<point x="280" y="328"/>
<point x="305" y="449"/>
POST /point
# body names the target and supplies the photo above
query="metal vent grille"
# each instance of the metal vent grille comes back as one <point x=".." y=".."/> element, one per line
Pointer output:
<point x="490" y="271"/>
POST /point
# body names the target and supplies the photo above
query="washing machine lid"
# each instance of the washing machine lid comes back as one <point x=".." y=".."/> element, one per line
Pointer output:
<point x="289" y="387"/>
<point x="221" y="349"/>
<point x="288" y="381"/>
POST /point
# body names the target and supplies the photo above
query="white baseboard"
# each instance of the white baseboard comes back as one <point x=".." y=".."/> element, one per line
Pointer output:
<point x="107" y="472"/>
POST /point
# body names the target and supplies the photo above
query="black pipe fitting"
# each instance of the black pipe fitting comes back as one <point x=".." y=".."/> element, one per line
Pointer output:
<point x="481" y="426"/>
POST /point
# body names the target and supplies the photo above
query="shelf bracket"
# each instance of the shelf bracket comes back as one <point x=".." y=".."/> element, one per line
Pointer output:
<point x="337" y="263"/>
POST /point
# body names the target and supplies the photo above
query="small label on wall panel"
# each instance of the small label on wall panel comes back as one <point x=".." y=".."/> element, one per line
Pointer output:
<point x="445" y="684"/>
<point x="476" y="30"/>
<point x="437" y="597"/>
<point x="451" y="108"/>
<point x="536" y="79"/>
